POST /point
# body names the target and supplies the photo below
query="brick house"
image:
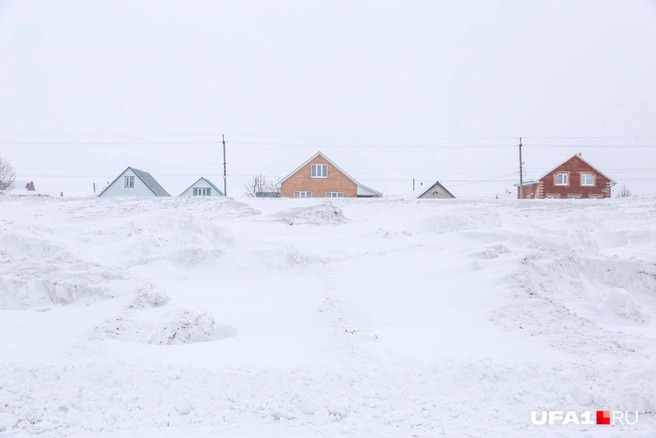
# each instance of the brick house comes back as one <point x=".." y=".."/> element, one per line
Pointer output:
<point x="573" y="179"/>
<point x="320" y="177"/>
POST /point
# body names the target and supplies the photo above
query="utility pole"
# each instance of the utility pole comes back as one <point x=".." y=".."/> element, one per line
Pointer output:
<point x="225" y="175"/>
<point x="521" y="171"/>
<point x="413" y="184"/>
<point x="94" y="187"/>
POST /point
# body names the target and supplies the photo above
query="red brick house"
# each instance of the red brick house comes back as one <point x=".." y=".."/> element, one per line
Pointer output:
<point x="320" y="177"/>
<point x="573" y="179"/>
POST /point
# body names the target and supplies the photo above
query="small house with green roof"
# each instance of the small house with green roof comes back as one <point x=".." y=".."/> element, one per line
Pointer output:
<point x="202" y="187"/>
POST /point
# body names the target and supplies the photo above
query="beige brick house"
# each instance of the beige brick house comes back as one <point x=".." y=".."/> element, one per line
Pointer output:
<point x="320" y="177"/>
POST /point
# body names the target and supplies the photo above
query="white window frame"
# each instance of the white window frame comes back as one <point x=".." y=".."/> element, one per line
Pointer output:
<point x="302" y="194"/>
<point x="551" y="196"/>
<point x="334" y="194"/>
<point x="566" y="178"/>
<point x="573" y="196"/>
<point x="319" y="171"/>
<point x="596" y="196"/>
<point x="202" y="191"/>
<point x="128" y="181"/>
<point x="592" y="177"/>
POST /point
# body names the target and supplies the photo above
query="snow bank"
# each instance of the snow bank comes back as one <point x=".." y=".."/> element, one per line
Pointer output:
<point x="323" y="214"/>
<point x="175" y="327"/>
<point x="37" y="272"/>
<point x="442" y="400"/>
<point x="186" y="327"/>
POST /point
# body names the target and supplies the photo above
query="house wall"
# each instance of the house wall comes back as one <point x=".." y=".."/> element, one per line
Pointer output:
<point x="530" y="191"/>
<point x="574" y="167"/>
<point x="118" y="189"/>
<point x="436" y="193"/>
<point x="201" y="183"/>
<point x="302" y="181"/>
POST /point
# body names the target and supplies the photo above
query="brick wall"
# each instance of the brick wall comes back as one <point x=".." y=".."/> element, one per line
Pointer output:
<point x="302" y="181"/>
<point x="530" y="191"/>
<point x="574" y="167"/>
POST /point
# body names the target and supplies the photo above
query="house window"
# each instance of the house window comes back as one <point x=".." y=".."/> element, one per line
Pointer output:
<point x="202" y="191"/>
<point x="129" y="182"/>
<point x="587" y="179"/>
<point x="319" y="171"/>
<point x="302" y="194"/>
<point x="334" y="194"/>
<point x="596" y="196"/>
<point x="561" y="179"/>
<point x="574" y="196"/>
<point x="553" y="196"/>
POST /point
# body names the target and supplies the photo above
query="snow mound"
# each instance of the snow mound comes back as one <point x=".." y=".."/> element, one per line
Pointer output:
<point x="21" y="245"/>
<point x="323" y="214"/>
<point x="176" y="327"/>
<point x="43" y="282"/>
<point x="450" y="222"/>
<point x="148" y="298"/>
<point x="605" y="289"/>
<point x="187" y="327"/>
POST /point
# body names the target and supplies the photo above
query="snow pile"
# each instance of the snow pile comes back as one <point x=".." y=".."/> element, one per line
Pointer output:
<point x="186" y="327"/>
<point x="37" y="272"/>
<point x="147" y="298"/>
<point x="323" y="214"/>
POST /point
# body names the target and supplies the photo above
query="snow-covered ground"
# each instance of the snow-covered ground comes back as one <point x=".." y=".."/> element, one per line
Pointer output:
<point x="213" y="317"/>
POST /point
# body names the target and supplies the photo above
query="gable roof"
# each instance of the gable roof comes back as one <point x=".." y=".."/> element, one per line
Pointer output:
<point x="535" y="181"/>
<point x="146" y="178"/>
<point x="208" y="182"/>
<point x="437" y="183"/>
<point x="332" y="164"/>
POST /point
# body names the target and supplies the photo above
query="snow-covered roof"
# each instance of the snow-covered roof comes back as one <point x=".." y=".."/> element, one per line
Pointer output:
<point x="362" y="189"/>
<point x="146" y="178"/>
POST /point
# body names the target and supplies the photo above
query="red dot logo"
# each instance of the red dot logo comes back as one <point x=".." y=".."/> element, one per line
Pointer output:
<point x="603" y="417"/>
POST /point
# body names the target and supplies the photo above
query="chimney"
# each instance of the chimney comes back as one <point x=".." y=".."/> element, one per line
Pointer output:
<point x="579" y="154"/>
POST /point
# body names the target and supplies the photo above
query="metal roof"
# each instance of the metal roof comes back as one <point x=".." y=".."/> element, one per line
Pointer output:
<point x="146" y="178"/>
<point x="208" y="182"/>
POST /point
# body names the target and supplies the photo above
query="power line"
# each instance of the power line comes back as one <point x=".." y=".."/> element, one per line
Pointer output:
<point x="106" y="143"/>
<point x="486" y="180"/>
<point x="627" y="137"/>
<point x="108" y="135"/>
<point x="349" y="146"/>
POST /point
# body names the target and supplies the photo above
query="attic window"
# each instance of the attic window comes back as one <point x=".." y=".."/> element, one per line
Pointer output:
<point x="129" y="182"/>
<point x="319" y="171"/>
<point x="587" y="179"/>
<point x="561" y="179"/>
<point x="202" y="191"/>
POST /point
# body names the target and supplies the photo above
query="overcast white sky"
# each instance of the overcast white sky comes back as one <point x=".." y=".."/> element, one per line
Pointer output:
<point x="391" y="91"/>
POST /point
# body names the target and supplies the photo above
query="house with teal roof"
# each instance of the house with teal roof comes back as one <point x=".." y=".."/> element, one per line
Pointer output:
<point x="202" y="187"/>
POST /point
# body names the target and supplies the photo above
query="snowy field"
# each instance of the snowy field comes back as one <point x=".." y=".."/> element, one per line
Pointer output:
<point x="205" y="317"/>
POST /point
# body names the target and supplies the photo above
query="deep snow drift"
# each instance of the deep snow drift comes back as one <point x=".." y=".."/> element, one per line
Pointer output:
<point x="401" y="318"/>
